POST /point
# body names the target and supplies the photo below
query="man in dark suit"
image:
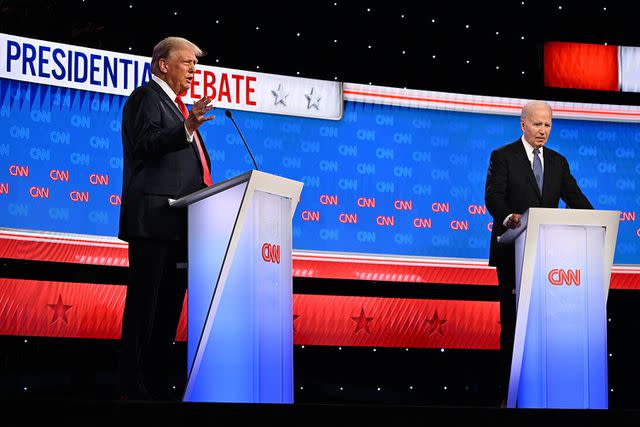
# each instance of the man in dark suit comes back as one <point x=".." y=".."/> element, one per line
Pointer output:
<point x="522" y="175"/>
<point x="164" y="157"/>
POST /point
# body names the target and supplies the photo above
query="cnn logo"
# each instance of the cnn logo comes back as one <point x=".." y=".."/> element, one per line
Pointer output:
<point x="271" y="253"/>
<point x="559" y="277"/>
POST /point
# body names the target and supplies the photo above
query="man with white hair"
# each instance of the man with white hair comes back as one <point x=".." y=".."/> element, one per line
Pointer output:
<point x="164" y="157"/>
<point x="522" y="175"/>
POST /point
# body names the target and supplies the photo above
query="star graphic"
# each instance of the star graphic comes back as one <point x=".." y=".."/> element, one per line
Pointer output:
<point x="313" y="99"/>
<point x="295" y="317"/>
<point x="59" y="310"/>
<point x="435" y="324"/>
<point x="362" y="322"/>
<point x="280" y="95"/>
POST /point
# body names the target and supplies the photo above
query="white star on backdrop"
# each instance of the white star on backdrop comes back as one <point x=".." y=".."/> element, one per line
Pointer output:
<point x="313" y="99"/>
<point x="280" y="95"/>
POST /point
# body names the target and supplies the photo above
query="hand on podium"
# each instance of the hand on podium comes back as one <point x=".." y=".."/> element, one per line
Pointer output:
<point x="513" y="221"/>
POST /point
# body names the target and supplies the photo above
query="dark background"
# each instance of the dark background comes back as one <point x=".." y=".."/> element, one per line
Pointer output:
<point x="330" y="40"/>
<point x="248" y="35"/>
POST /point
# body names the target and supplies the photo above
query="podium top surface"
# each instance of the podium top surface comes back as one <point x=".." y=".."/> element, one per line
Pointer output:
<point x="266" y="182"/>
<point x="580" y="217"/>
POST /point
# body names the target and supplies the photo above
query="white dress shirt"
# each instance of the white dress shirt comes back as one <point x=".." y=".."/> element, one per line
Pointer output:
<point x="172" y="96"/>
<point x="529" y="149"/>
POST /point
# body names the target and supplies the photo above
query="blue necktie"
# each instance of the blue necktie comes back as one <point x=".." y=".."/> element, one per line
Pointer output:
<point x="537" y="168"/>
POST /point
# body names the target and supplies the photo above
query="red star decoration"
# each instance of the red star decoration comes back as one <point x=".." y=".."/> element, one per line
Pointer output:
<point x="59" y="310"/>
<point x="295" y="317"/>
<point x="435" y="324"/>
<point x="362" y="322"/>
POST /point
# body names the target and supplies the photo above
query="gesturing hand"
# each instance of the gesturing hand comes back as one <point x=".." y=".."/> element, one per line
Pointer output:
<point x="197" y="114"/>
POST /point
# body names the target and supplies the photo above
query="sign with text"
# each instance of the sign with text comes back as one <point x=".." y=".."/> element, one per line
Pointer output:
<point x="115" y="73"/>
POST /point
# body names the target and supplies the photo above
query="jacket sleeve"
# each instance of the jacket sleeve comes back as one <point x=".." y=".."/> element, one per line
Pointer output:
<point x="496" y="187"/>
<point x="145" y="128"/>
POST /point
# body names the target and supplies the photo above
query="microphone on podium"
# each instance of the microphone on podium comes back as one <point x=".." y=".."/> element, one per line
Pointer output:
<point x="228" y="114"/>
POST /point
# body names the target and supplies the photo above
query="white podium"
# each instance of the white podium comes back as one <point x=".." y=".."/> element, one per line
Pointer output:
<point x="563" y="267"/>
<point x="240" y="324"/>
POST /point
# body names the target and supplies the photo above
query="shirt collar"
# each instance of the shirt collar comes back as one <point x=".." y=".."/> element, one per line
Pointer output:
<point x="528" y="147"/>
<point x="165" y="87"/>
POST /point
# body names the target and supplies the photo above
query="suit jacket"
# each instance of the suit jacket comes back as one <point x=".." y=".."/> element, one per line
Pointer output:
<point x="159" y="163"/>
<point x="511" y="188"/>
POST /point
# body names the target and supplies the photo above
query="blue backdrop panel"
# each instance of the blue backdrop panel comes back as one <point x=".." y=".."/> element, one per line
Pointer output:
<point x="384" y="180"/>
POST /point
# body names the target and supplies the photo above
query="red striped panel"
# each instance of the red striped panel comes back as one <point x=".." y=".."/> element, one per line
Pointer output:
<point x="630" y="281"/>
<point x="81" y="310"/>
<point x="388" y="272"/>
<point x="395" y="322"/>
<point x="581" y="66"/>
<point x="60" y="309"/>
<point x="305" y="264"/>
<point x="181" y="333"/>
<point x="486" y="104"/>
<point x="58" y="248"/>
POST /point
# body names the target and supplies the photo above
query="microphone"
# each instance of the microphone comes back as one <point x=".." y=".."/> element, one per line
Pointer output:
<point x="228" y="114"/>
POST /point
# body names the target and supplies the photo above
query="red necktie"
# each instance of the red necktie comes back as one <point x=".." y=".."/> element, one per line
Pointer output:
<point x="206" y="175"/>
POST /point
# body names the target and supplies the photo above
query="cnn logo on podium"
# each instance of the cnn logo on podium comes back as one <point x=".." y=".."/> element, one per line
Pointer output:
<point x="271" y="253"/>
<point x="559" y="277"/>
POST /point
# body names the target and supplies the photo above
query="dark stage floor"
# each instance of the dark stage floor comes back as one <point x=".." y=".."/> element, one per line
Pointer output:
<point x="90" y="413"/>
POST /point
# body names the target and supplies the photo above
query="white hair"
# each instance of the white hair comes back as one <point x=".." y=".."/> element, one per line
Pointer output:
<point x="531" y="105"/>
<point x="167" y="46"/>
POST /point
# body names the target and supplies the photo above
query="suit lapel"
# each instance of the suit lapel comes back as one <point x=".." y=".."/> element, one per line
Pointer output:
<point x="523" y="161"/>
<point x="163" y="95"/>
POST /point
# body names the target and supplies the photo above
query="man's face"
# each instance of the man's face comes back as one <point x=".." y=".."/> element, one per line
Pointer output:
<point x="178" y="69"/>
<point x="536" y="126"/>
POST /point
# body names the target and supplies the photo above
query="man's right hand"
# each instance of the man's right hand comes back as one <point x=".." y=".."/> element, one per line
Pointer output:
<point x="514" y="221"/>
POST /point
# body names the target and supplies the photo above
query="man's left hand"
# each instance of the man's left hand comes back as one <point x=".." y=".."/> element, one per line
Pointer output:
<point x="197" y="114"/>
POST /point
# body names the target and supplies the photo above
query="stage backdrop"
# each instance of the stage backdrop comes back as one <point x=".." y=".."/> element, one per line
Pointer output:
<point x="383" y="180"/>
<point x="394" y="178"/>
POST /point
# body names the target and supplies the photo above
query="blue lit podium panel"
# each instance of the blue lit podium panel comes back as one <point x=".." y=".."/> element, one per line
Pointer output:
<point x="240" y="324"/>
<point x="563" y="267"/>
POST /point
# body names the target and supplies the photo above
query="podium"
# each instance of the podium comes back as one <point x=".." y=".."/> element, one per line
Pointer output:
<point x="240" y="319"/>
<point x="563" y="267"/>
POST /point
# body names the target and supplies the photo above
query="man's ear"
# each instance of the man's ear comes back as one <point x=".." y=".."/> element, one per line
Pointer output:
<point x="522" y="124"/>
<point x="162" y="65"/>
